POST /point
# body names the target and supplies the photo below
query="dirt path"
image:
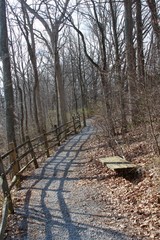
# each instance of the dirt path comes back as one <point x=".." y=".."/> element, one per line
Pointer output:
<point x="56" y="206"/>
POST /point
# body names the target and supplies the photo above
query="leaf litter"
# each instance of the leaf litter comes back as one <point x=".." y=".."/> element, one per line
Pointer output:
<point x="136" y="200"/>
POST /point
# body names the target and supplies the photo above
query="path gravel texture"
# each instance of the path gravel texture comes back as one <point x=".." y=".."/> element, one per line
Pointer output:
<point x="56" y="207"/>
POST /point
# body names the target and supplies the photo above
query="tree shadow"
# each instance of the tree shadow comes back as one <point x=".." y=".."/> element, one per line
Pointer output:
<point x="59" y="164"/>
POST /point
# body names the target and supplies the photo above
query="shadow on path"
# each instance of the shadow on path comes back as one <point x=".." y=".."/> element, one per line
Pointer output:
<point x="46" y="213"/>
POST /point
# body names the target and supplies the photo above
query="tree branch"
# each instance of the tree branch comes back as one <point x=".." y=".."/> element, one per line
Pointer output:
<point x="84" y="45"/>
<point x="41" y="19"/>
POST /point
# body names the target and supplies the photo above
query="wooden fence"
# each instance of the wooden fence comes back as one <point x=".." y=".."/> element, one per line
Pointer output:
<point x="18" y="158"/>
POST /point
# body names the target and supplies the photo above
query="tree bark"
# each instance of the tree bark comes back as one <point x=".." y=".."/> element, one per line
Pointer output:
<point x="130" y="58"/>
<point x="7" y="80"/>
<point x="140" y="54"/>
<point x="58" y="75"/>
<point x="155" y="20"/>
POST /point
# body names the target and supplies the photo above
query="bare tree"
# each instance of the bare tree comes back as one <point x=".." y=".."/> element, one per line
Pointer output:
<point x="26" y="26"/>
<point x="19" y="88"/>
<point x="155" y="20"/>
<point x="140" y="53"/>
<point x="53" y="28"/>
<point x="120" y="78"/>
<point x="130" y="59"/>
<point x="103" y="66"/>
<point x="7" y="80"/>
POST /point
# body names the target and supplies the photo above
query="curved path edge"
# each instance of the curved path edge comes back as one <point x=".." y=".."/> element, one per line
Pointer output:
<point x="56" y="206"/>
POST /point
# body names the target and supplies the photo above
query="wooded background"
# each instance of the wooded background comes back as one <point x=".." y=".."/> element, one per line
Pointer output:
<point x="60" y="58"/>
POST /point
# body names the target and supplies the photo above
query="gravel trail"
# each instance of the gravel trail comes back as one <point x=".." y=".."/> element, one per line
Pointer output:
<point x="57" y="207"/>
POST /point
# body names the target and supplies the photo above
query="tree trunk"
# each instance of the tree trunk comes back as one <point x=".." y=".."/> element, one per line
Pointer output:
<point x="140" y="54"/>
<point x="130" y="58"/>
<point x="60" y="86"/>
<point x="37" y="96"/>
<point x="7" y="80"/>
<point x="155" y="20"/>
<point x="118" y="68"/>
<point x="75" y="102"/>
<point x="104" y="72"/>
<point x="20" y="92"/>
<point x="57" y="103"/>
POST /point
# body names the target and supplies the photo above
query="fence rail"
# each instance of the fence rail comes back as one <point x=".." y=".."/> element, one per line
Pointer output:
<point x="19" y="158"/>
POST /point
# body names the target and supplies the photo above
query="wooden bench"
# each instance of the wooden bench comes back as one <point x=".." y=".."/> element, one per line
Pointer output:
<point x="117" y="163"/>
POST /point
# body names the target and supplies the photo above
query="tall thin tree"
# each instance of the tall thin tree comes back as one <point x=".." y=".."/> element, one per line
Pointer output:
<point x="7" y="80"/>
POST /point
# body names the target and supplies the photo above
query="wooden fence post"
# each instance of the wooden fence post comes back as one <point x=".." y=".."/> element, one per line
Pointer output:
<point x="66" y="130"/>
<point x="79" y="119"/>
<point x="5" y="187"/>
<point x="13" y="160"/>
<point x="46" y="143"/>
<point x="32" y="151"/>
<point x="74" y="125"/>
<point x="57" y="134"/>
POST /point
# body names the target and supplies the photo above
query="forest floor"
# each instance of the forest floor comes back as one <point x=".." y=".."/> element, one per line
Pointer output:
<point x="134" y="197"/>
<point x="90" y="201"/>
